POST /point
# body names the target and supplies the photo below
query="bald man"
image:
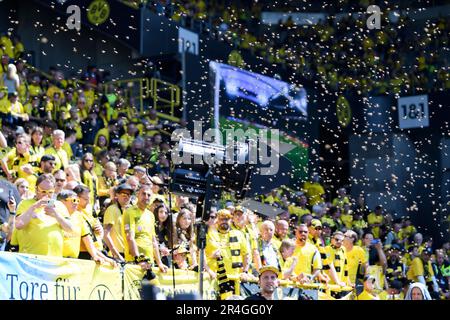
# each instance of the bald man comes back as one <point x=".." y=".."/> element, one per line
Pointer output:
<point x="281" y="232"/>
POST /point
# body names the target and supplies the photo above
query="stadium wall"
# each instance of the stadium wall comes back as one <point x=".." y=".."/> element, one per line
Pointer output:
<point x="43" y="31"/>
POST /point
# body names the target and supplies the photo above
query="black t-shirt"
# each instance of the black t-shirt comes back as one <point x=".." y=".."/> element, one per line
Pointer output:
<point x="257" y="296"/>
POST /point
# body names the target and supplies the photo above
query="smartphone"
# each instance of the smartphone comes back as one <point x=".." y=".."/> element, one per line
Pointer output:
<point x="375" y="241"/>
<point x="51" y="203"/>
<point x="10" y="195"/>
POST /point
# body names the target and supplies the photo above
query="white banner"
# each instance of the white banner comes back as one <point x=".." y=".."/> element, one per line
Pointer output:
<point x="32" y="277"/>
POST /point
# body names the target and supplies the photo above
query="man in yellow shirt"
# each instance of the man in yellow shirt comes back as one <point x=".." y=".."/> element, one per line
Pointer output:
<point x="61" y="158"/>
<point x="41" y="222"/>
<point x="112" y="221"/>
<point x="281" y="232"/>
<point x="421" y="270"/>
<point x="141" y="244"/>
<point x="19" y="163"/>
<point x="337" y="257"/>
<point x="309" y="262"/>
<point x="227" y="246"/>
<point x="356" y="256"/>
<point x="16" y="108"/>
<point x="375" y="220"/>
<point x="299" y="209"/>
<point x="94" y="225"/>
<point x="81" y="233"/>
<point x="341" y="199"/>
<point x="240" y="222"/>
<point x="314" y="190"/>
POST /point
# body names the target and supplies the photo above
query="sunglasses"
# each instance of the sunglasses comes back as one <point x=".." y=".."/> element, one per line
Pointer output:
<point x="212" y="217"/>
<point x="88" y="160"/>
<point x="49" y="191"/>
<point x="73" y="200"/>
<point x="60" y="180"/>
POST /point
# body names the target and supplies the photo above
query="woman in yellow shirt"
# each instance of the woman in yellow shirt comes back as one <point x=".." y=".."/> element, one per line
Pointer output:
<point x="37" y="149"/>
<point x="90" y="179"/>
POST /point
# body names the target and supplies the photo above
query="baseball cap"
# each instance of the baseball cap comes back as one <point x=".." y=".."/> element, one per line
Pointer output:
<point x="396" y="284"/>
<point x="316" y="223"/>
<point x="156" y="180"/>
<point x="269" y="268"/>
<point x="224" y="213"/>
<point x="48" y="157"/>
<point x="124" y="187"/>
<point x="158" y="197"/>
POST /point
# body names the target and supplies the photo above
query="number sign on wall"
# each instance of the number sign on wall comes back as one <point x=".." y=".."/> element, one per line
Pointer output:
<point x="187" y="41"/>
<point x="413" y="112"/>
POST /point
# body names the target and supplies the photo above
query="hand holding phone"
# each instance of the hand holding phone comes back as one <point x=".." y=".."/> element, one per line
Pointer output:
<point x="51" y="203"/>
<point x="375" y="241"/>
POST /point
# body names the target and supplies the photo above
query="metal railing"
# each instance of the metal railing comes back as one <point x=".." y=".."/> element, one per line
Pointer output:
<point x="326" y="288"/>
<point x="165" y="95"/>
<point x="137" y="88"/>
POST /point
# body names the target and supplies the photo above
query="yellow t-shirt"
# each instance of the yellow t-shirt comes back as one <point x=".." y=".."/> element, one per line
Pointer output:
<point x="417" y="269"/>
<point x="299" y="212"/>
<point x="314" y="192"/>
<point x="217" y="240"/>
<point x="340" y="202"/>
<point x="72" y="241"/>
<point x="54" y="89"/>
<point x="15" y="163"/>
<point x="249" y="235"/>
<point x="308" y="259"/>
<point x="91" y="181"/>
<point x="359" y="224"/>
<point x="8" y="46"/>
<point x="142" y="223"/>
<point x="355" y="257"/>
<point x="328" y="220"/>
<point x="18" y="50"/>
<point x="34" y="90"/>
<point x="126" y="140"/>
<point x="367" y="296"/>
<point x="43" y="235"/>
<point x="5" y="105"/>
<point x="68" y="149"/>
<point x="90" y="222"/>
<point x="347" y="219"/>
<point x="113" y="216"/>
<point x="373" y="218"/>
<point x="17" y="108"/>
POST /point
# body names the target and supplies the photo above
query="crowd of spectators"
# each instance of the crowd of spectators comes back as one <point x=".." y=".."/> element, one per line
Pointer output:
<point x="92" y="176"/>
<point x="405" y="56"/>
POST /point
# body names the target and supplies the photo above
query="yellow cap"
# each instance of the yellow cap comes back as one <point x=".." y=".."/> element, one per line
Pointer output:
<point x="316" y="223"/>
<point x="269" y="268"/>
<point x="224" y="213"/>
